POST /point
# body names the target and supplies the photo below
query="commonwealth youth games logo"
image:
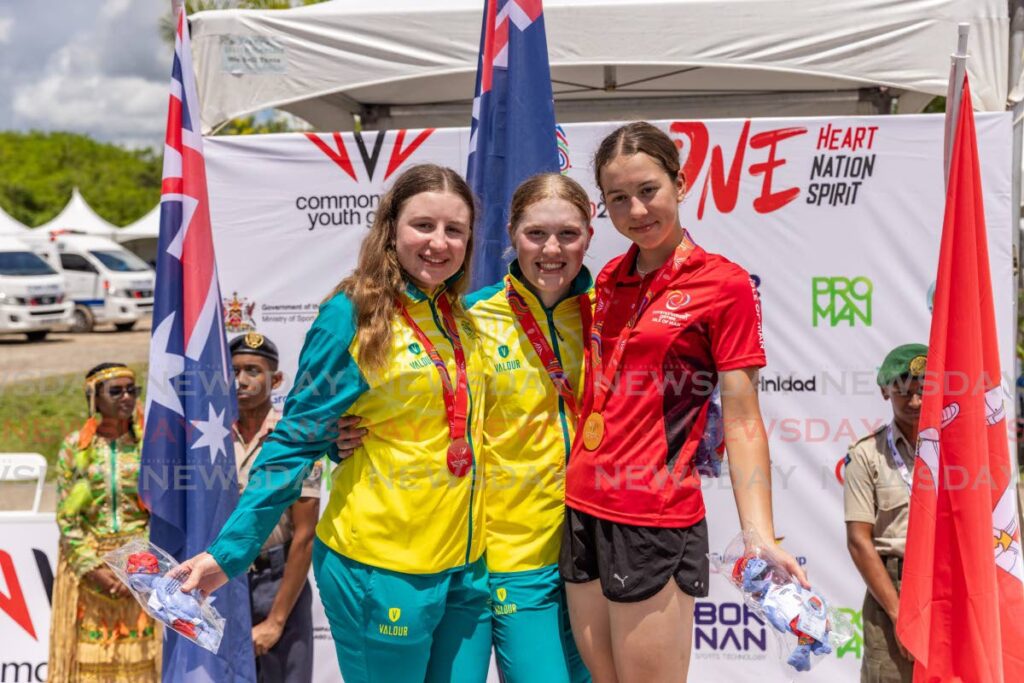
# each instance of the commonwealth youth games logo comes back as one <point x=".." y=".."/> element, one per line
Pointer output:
<point x="676" y="300"/>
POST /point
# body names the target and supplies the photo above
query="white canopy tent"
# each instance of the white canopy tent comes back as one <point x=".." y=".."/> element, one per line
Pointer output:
<point x="77" y="215"/>
<point x="141" y="237"/>
<point x="147" y="227"/>
<point x="409" y="63"/>
<point x="11" y="226"/>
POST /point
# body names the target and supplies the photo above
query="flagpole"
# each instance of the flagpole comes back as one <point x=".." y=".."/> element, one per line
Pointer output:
<point x="954" y="93"/>
<point x="1015" y="105"/>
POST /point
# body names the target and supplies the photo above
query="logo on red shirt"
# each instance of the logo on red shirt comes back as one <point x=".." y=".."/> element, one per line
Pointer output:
<point x="676" y="300"/>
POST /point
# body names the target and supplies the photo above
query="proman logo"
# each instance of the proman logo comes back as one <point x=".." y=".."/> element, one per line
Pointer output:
<point x="400" y="152"/>
<point x="838" y="300"/>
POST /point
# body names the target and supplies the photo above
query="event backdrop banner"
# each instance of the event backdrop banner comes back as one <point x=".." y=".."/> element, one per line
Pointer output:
<point x="837" y="220"/>
<point x="28" y="559"/>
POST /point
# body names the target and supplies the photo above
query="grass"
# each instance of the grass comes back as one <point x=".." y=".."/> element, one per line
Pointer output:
<point x="35" y="416"/>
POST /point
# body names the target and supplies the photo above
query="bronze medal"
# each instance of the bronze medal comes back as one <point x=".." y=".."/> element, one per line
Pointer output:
<point x="593" y="431"/>
<point x="460" y="458"/>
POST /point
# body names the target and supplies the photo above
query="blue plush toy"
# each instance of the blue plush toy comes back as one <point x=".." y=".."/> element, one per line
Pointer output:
<point x="784" y="605"/>
<point x="180" y="611"/>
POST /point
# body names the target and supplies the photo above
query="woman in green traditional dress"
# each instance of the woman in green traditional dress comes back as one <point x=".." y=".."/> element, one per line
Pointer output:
<point x="98" y="632"/>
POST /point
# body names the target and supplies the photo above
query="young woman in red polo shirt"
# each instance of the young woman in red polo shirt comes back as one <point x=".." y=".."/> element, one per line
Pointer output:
<point x="671" y="322"/>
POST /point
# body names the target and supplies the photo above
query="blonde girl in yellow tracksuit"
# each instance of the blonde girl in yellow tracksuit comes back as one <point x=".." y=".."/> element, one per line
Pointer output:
<point x="398" y="556"/>
<point x="532" y="327"/>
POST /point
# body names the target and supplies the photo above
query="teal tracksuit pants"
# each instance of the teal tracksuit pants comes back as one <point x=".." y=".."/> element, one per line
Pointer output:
<point x="390" y="627"/>
<point x="533" y="641"/>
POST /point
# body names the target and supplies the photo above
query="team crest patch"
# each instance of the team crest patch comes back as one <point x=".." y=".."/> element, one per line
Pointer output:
<point x="415" y="349"/>
<point x="503" y="351"/>
<point x="502" y="594"/>
<point x="394" y="614"/>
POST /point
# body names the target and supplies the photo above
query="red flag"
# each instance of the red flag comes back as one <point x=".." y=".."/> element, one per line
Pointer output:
<point x="962" y="599"/>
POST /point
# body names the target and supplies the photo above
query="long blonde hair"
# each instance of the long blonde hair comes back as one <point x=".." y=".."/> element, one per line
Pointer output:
<point x="378" y="280"/>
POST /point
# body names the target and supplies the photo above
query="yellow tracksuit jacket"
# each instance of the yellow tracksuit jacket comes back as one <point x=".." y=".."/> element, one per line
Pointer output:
<point x="393" y="504"/>
<point x="527" y="428"/>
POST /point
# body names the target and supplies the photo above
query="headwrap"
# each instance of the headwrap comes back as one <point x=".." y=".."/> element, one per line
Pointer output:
<point x="92" y="383"/>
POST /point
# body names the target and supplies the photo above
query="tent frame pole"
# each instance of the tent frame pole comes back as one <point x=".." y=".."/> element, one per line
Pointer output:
<point x="1015" y="104"/>
<point x="955" y="91"/>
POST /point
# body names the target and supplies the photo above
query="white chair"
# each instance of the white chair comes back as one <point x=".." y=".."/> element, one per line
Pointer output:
<point x="23" y="467"/>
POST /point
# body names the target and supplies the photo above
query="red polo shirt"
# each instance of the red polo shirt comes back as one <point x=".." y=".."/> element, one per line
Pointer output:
<point x="707" y="320"/>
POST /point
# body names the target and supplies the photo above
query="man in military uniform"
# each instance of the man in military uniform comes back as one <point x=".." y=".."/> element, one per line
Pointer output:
<point x="282" y="634"/>
<point x="877" y="481"/>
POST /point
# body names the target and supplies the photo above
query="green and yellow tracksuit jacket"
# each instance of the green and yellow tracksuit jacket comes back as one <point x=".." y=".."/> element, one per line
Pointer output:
<point x="393" y="503"/>
<point x="527" y="428"/>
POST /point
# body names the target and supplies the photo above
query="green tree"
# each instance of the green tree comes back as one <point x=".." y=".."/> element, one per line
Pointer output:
<point x="38" y="171"/>
<point x="248" y="125"/>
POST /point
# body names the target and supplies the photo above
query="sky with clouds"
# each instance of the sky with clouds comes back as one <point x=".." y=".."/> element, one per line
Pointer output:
<point x="96" y="67"/>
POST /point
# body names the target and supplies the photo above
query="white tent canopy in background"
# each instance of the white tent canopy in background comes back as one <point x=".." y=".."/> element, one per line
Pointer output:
<point x="142" y="236"/>
<point x="11" y="226"/>
<point x="78" y="215"/>
<point x="409" y="63"/>
<point x="147" y="227"/>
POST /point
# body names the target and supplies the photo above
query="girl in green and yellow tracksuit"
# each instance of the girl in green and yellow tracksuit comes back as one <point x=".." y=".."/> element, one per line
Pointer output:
<point x="398" y="556"/>
<point x="532" y="329"/>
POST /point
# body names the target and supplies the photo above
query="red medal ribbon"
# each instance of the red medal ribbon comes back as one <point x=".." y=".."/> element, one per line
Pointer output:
<point x="456" y="398"/>
<point x="603" y="376"/>
<point x="540" y="344"/>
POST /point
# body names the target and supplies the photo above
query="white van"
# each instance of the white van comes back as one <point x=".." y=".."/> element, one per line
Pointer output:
<point x="32" y="296"/>
<point x="107" y="283"/>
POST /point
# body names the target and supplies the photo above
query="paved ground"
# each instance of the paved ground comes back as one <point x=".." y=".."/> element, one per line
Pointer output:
<point x="61" y="354"/>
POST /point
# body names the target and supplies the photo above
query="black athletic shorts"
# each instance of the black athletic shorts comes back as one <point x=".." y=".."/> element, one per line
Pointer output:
<point x="633" y="562"/>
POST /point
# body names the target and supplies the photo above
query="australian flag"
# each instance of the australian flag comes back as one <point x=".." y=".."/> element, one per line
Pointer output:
<point x="188" y="479"/>
<point x="513" y="130"/>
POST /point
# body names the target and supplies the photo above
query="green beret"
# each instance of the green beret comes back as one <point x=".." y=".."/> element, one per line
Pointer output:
<point x="907" y="360"/>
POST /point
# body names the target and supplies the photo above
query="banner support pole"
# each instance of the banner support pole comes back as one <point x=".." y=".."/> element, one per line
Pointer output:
<point x="1015" y="105"/>
<point x="954" y="92"/>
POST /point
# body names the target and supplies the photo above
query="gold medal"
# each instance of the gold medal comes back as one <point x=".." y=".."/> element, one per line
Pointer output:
<point x="593" y="431"/>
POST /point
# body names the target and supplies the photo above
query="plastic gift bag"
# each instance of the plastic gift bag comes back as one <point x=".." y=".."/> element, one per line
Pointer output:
<point x="711" y="448"/>
<point x="143" y="567"/>
<point x="805" y="628"/>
